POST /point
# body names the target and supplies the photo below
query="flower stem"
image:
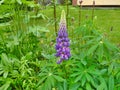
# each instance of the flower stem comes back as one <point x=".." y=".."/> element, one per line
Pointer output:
<point x="80" y="8"/>
<point x="67" y="3"/>
<point x="93" y="10"/>
<point x="55" y="17"/>
<point x="80" y="14"/>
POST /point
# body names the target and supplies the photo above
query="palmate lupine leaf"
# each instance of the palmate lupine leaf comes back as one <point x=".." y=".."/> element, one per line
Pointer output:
<point x="48" y="82"/>
<point x="48" y="78"/>
<point x="85" y="74"/>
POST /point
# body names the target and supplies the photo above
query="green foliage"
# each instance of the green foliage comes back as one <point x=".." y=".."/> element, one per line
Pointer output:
<point x="27" y="60"/>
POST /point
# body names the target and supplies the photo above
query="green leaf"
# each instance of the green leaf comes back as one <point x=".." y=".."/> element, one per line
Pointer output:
<point x="94" y="72"/>
<point x="83" y="80"/>
<point x="28" y="56"/>
<point x="93" y="83"/>
<point x="40" y="15"/>
<point x="88" y="86"/>
<point x="42" y="74"/>
<point x="80" y="88"/>
<point x="78" y="78"/>
<point x="19" y="1"/>
<point x="110" y="68"/>
<point x="59" y="86"/>
<point x="103" y="85"/>
<point x="5" y="74"/>
<point x="88" y="77"/>
<point x="75" y="74"/>
<point x="111" y="83"/>
<point x="92" y="49"/>
<point x="4" y="59"/>
<point x="51" y="80"/>
<point x="48" y="56"/>
<point x="100" y="51"/>
<point x="118" y="75"/>
<point x="41" y="80"/>
<point x="65" y="85"/>
<point x="5" y="86"/>
<point x="74" y="86"/>
<point x="38" y="30"/>
<point x="84" y="62"/>
<point x="1" y="72"/>
<point x="110" y="46"/>
<point x="103" y="71"/>
<point x="47" y="84"/>
<point x="2" y="1"/>
<point x="58" y="78"/>
<point x="30" y="4"/>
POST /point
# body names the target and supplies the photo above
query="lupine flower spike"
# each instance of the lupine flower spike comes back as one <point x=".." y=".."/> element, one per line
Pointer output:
<point x="62" y="41"/>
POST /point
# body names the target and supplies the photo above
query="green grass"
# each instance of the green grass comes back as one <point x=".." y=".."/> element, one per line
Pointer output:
<point x="105" y="19"/>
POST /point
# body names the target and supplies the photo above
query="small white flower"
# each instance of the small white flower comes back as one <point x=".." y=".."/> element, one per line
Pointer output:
<point x="101" y="42"/>
<point x="49" y="74"/>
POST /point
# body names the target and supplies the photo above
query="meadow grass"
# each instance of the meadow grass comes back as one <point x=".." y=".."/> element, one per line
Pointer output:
<point x="106" y="19"/>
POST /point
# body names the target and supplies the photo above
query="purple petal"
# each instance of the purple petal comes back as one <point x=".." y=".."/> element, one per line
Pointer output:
<point x="67" y="44"/>
<point x="66" y="57"/>
<point x="69" y="55"/>
<point x="67" y="49"/>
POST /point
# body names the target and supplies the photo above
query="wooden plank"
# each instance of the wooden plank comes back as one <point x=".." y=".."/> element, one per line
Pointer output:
<point x="99" y="2"/>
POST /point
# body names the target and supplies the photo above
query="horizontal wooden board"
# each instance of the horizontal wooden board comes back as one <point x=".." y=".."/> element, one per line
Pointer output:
<point x="100" y="2"/>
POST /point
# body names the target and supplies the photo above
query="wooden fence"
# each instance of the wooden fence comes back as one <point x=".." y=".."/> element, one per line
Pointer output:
<point x="97" y="2"/>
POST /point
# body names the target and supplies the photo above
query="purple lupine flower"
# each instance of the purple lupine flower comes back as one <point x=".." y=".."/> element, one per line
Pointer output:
<point x="62" y="41"/>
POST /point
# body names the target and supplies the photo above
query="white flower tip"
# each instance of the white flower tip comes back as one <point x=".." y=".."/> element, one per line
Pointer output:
<point x="63" y="17"/>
